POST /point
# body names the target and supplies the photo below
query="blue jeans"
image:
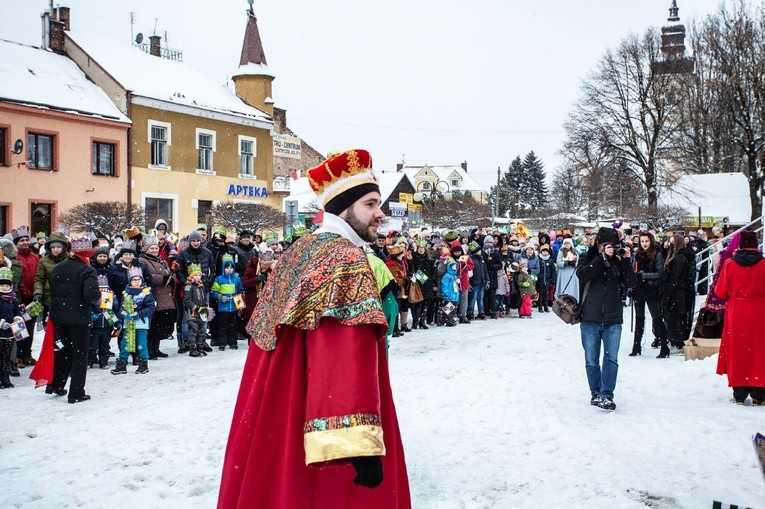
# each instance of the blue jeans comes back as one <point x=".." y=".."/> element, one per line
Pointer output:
<point x="476" y="296"/>
<point x="602" y="380"/>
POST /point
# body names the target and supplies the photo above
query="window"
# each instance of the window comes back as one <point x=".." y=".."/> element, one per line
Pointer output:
<point x="246" y="156"/>
<point x="206" y="148"/>
<point x="158" y="145"/>
<point x="4" y="148"/>
<point x="103" y="158"/>
<point x="455" y="182"/>
<point x="158" y="208"/>
<point x="160" y="139"/>
<point x="40" y="151"/>
<point x="426" y="186"/>
<point x="204" y="208"/>
<point x="5" y="217"/>
<point x="42" y="217"/>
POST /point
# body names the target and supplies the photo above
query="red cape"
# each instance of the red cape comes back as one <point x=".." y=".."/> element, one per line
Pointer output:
<point x="333" y="370"/>
<point x="42" y="372"/>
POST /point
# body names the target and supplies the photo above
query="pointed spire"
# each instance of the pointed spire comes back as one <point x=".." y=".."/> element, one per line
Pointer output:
<point x="673" y="10"/>
<point x="252" y="47"/>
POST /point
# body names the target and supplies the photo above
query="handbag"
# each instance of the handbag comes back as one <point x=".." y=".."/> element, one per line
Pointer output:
<point x="415" y="293"/>
<point x="567" y="308"/>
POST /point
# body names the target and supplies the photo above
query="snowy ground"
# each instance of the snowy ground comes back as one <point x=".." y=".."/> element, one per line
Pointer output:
<point x="495" y="414"/>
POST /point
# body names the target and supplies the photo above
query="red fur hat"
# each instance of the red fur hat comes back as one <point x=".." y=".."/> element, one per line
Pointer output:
<point x="336" y="179"/>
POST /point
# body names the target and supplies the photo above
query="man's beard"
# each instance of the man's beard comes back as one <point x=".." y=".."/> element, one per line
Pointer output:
<point x="362" y="230"/>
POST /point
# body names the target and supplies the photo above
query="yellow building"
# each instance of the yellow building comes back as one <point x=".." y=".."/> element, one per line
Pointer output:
<point x="193" y="143"/>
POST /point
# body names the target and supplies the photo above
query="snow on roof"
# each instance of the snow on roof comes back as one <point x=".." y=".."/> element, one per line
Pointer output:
<point x="158" y="78"/>
<point x="43" y="79"/>
<point x="718" y="195"/>
<point x="301" y="191"/>
<point x="443" y="172"/>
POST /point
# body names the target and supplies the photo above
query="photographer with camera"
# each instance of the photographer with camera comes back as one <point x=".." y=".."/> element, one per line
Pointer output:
<point x="601" y="272"/>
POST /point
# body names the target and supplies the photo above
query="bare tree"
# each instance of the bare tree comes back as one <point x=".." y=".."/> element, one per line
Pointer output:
<point x="624" y="114"/>
<point x="104" y="218"/>
<point x="463" y="210"/>
<point x="247" y="216"/>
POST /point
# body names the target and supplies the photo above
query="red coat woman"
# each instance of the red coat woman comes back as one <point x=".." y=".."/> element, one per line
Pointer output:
<point x="742" y="349"/>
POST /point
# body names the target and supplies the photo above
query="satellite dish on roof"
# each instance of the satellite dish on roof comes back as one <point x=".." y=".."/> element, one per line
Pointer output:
<point x="139" y="38"/>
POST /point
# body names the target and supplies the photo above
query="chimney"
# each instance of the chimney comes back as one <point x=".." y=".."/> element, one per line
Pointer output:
<point x="63" y="16"/>
<point x="464" y="166"/>
<point x="399" y="167"/>
<point x="154" y="45"/>
<point x="280" y="120"/>
<point x="56" y="36"/>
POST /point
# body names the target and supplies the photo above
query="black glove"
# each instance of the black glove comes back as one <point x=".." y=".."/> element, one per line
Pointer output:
<point x="37" y="297"/>
<point x="369" y="471"/>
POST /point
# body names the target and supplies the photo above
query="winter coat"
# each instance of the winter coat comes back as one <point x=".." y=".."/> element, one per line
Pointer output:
<point x="547" y="272"/>
<point x="742" y="349"/>
<point x="449" y="284"/>
<point x="422" y="262"/>
<point x="494" y="264"/>
<point x="43" y="275"/>
<point x="161" y="281"/>
<point x="193" y="297"/>
<point x="29" y="261"/>
<point x="202" y="257"/>
<point x="533" y="262"/>
<point x="118" y="277"/>
<point x="603" y="303"/>
<point x="145" y="305"/>
<point x="398" y="269"/>
<point x="650" y="276"/>
<point x="244" y="253"/>
<point x="227" y="285"/>
<point x="679" y="280"/>
<point x="526" y="290"/>
<point x="503" y="283"/>
<point x="566" y="280"/>
<point x="464" y="268"/>
<point x="480" y="277"/>
<point x="73" y="292"/>
<point x="9" y="309"/>
<point x="250" y="285"/>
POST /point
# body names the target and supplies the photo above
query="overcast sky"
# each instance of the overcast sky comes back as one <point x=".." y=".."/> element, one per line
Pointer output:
<point x="418" y="81"/>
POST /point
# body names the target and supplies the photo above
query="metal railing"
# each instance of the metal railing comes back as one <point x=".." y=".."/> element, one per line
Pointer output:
<point x="700" y="261"/>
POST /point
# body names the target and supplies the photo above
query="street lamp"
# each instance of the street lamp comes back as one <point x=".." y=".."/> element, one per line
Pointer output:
<point x="428" y="193"/>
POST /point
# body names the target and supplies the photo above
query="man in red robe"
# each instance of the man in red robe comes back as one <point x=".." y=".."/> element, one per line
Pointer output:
<point x="314" y="424"/>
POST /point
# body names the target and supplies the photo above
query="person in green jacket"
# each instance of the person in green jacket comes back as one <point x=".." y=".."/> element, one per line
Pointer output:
<point x="388" y="289"/>
<point x="55" y="248"/>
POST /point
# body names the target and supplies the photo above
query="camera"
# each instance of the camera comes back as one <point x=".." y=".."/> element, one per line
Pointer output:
<point x="620" y="251"/>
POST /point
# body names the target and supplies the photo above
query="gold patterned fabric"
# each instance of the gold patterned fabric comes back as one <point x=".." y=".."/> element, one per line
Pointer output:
<point x="319" y="276"/>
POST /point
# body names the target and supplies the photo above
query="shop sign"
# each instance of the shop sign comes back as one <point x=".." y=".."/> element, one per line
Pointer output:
<point x="406" y="198"/>
<point x="254" y="191"/>
<point x="287" y="146"/>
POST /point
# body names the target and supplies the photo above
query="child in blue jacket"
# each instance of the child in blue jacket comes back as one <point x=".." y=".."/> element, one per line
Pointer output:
<point x="450" y="293"/>
<point x="225" y="288"/>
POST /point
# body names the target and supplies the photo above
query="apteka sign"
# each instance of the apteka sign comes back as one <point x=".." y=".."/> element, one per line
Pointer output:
<point x="240" y="190"/>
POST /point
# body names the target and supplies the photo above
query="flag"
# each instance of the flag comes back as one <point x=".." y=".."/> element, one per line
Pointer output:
<point x="295" y="175"/>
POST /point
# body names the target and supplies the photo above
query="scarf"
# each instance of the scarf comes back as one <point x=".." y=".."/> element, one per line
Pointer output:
<point x="9" y="296"/>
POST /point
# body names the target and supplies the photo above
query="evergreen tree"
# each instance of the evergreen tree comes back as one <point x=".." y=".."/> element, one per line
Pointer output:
<point x="533" y="185"/>
<point x="512" y="182"/>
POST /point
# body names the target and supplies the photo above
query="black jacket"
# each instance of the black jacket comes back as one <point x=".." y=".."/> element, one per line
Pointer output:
<point x="547" y="273"/>
<point x="650" y="275"/>
<point x="603" y="303"/>
<point x="678" y="290"/>
<point x="493" y="264"/>
<point x="202" y="257"/>
<point x="73" y="292"/>
<point x="422" y="262"/>
<point x="118" y="278"/>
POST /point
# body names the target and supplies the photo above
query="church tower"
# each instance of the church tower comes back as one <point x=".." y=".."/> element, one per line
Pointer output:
<point x="253" y="79"/>
<point x="673" y="45"/>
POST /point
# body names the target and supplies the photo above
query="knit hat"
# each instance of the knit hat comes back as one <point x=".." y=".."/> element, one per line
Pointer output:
<point x="6" y="276"/>
<point x="607" y="236"/>
<point x="195" y="235"/>
<point x="271" y="242"/>
<point x="128" y="246"/>
<point x="19" y="233"/>
<point x="451" y="236"/>
<point x="134" y="272"/>
<point x="8" y="247"/>
<point x="102" y="250"/>
<point x="748" y="240"/>
<point x="245" y="233"/>
<point x="473" y="247"/>
<point x="151" y="240"/>
<point x="488" y="240"/>
<point x="194" y="269"/>
<point x="342" y="179"/>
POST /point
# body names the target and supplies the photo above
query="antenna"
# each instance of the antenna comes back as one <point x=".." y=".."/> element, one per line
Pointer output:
<point x="155" y="26"/>
<point x="132" y="22"/>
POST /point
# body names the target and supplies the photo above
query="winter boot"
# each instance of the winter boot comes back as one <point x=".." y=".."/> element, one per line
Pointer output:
<point x="206" y="348"/>
<point x="664" y="351"/>
<point x="404" y="318"/>
<point x="184" y="347"/>
<point x="481" y="316"/>
<point x="143" y="367"/>
<point x="120" y="368"/>
<point x="637" y="348"/>
<point x="464" y="319"/>
<point x="193" y="352"/>
<point x="422" y="322"/>
<point x="152" y="349"/>
<point x="415" y="318"/>
<point x="135" y="358"/>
